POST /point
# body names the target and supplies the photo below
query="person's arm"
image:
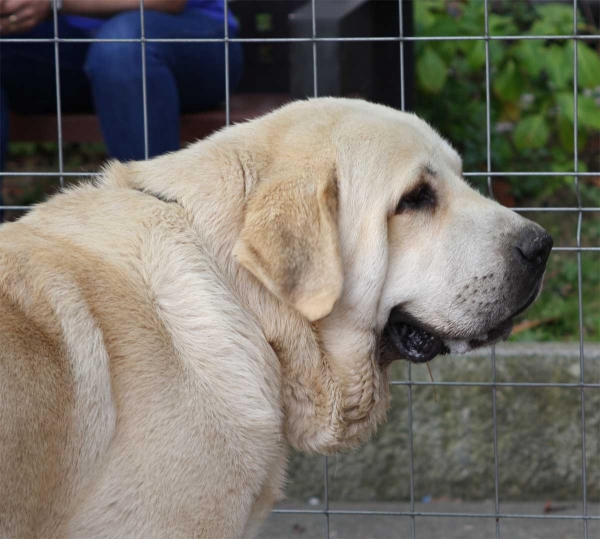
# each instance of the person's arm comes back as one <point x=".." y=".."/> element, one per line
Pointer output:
<point x="22" y="15"/>
<point x="106" y="8"/>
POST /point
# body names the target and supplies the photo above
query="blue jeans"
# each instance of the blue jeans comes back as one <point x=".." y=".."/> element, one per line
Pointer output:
<point x="107" y="77"/>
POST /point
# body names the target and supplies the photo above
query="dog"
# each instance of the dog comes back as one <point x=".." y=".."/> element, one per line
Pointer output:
<point x="171" y="330"/>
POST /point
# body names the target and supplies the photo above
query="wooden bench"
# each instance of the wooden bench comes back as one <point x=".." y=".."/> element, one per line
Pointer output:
<point x="86" y="128"/>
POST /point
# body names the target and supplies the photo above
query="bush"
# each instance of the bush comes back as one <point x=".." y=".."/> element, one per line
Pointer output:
<point x="532" y="104"/>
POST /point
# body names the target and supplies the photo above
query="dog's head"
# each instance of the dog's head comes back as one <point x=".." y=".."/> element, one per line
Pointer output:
<point x="363" y="223"/>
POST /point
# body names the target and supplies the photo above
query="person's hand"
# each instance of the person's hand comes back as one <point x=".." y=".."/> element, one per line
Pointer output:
<point x="18" y="16"/>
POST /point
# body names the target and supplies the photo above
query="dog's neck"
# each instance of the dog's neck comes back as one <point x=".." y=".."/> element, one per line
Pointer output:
<point x="207" y="179"/>
<point x="331" y="402"/>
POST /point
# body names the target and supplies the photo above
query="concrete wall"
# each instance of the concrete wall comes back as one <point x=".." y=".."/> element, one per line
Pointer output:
<point x="539" y="434"/>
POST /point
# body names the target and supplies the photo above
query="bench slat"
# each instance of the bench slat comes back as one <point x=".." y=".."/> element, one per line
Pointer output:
<point x="86" y="128"/>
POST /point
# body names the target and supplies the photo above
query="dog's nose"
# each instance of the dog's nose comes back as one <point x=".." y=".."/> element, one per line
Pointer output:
<point x="534" y="245"/>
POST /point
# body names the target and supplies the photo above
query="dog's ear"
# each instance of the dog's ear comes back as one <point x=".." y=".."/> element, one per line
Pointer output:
<point x="289" y="241"/>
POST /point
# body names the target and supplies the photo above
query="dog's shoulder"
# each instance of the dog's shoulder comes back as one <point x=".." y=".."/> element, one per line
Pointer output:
<point x="151" y="281"/>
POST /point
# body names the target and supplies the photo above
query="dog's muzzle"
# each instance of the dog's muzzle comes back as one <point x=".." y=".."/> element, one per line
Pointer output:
<point x="405" y="337"/>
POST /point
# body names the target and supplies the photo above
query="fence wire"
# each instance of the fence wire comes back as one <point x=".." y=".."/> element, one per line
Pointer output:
<point x="489" y="175"/>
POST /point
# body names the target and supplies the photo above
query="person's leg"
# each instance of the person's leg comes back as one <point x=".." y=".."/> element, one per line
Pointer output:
<point x="28" y="75"/>
<point x="199" y="68"/>
<point x="115" y="73"/>
<point x="4" y="126"/>
<point x="193" y="70"/>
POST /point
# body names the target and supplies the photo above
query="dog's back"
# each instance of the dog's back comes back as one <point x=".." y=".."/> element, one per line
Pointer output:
<point x="52" y="360"/>
<point x="118" y="335"/>
<point x="36" y="403"/>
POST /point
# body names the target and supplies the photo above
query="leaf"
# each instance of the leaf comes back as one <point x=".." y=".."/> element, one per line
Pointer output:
<point x="588" y="112"/>
<point x="532" y="132"/>
<point x="502" y="149"/>
<point x="497" y="53"/>
<point x="476" y="54"/>
<point x="556" y="17"/>
<point x="461" y="68"/>
<point x="447" y="50"/>
<point x="472" y="21"/>
<point x="565" y="133"/>
<point x="508" y="85"/>
<point x="588" y="64"/>
<point x="443" y="26"/>
<point x="529" y="52"/>
<point x="556" y="12"/>
<point x="427" y="13"/>
<point x="567" y="166"/>
<point x="559" y="70"/>
<point x="561" y="165"/>
<point x="431" y="71"/>
<point x="502" y="25"/>
<point x="543" y="28"/>
<point x="423" y="15"/>
<point x="566" y="105"/>
<point x="564" y="163"/>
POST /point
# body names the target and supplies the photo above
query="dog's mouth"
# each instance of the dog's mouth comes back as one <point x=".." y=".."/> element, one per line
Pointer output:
<point x="405" y="337"/>
<point x="416" y="343"/>
<point x="413" y="342"/>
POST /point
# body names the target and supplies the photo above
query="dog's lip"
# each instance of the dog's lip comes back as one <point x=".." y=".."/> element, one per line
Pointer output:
<point x="532" y="297"/>
<point x="403" y="329"/>
<point x="416" y="343"/>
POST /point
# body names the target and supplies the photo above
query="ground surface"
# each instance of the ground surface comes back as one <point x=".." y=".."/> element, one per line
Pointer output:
<point x="283" y="526"/>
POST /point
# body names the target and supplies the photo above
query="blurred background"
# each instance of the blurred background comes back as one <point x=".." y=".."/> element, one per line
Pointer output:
<point x="532" y="126"/>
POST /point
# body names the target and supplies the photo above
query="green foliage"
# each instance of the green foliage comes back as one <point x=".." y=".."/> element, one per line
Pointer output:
<point x="588" y="113"/>
<point x="588" y="66"/>
<point x="532" y="132"/>
<point x="558" y="64"/>
<point x="531" y="81"/>
<point x="432" y="72"/>
<point x="508" y="84"/>
<point x="532" y="112"/>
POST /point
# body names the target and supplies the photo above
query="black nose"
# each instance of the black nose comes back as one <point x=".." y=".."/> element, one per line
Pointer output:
<point x="534" y="245"/>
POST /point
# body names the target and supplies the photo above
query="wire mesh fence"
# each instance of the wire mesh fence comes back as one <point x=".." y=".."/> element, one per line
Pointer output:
<point x="580" y="210"/>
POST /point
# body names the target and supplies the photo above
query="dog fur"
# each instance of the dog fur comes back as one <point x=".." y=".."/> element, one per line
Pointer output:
<point x="170" y="330"/>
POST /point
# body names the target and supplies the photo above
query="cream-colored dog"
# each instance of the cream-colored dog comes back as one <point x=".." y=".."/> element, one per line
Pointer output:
<point x="168" y="332"/>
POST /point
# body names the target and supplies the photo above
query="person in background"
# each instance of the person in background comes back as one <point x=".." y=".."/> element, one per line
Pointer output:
<point x="107" y="77"/>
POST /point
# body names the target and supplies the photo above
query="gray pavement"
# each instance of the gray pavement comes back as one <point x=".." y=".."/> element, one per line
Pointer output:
<point x="298" y="526"/>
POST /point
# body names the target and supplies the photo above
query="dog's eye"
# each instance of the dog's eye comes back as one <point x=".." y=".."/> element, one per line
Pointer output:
<point x="419" y="198"/>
